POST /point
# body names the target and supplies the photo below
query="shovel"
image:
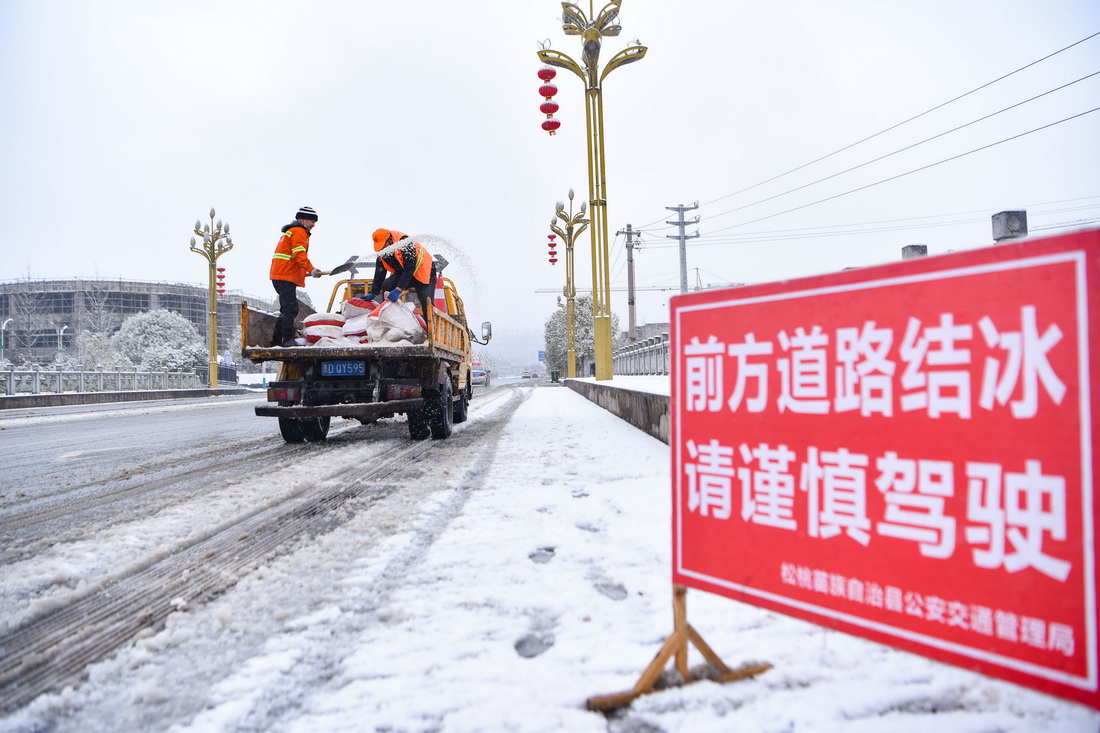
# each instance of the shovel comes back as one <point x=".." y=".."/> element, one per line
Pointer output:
<point x="350" y="264"/>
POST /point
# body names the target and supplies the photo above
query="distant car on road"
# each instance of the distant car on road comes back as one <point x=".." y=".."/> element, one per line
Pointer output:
<point x="479" y="376"/>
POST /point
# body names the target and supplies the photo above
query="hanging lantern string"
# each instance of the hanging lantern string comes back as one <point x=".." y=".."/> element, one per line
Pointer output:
<point x="548" y="107"/>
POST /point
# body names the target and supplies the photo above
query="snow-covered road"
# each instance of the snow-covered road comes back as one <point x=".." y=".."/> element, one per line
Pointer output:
<point x="492" y="583"/>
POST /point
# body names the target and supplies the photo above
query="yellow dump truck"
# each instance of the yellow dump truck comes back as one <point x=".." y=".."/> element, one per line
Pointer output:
<point x="428" y="382"/>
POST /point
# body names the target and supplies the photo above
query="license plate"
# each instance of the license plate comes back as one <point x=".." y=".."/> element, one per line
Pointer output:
<point x="343" y="368"/>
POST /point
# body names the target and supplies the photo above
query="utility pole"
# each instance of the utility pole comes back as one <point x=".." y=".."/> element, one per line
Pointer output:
<point x="629" y="232"/>
<point x="683" y="239"/>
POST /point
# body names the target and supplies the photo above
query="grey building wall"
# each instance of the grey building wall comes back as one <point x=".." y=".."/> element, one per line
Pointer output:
<point x="47" y="315"/>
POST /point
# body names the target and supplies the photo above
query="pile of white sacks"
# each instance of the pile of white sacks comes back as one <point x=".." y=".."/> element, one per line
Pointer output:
<point x="363" y="322"/>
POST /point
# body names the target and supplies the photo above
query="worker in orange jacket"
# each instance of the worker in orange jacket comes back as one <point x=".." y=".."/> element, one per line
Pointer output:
<point x="402" y="265"/>
<point x="289" y="266"/>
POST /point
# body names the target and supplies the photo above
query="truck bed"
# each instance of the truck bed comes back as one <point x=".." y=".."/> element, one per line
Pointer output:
<point x="364" y="351"/>
<point x="445" y="341"/>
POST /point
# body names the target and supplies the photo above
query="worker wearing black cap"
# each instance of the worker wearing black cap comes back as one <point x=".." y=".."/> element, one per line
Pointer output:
<point x="289" y="266"/>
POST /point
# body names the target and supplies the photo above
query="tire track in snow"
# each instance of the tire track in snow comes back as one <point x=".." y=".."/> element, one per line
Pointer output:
<point x="314" y="666"/>
<point x="53" y="649"/>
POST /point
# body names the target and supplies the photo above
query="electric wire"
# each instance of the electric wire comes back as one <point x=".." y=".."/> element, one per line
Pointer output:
<point x="882" y="225"/>
<point x="1066" y="224"/>
<point x="851" y="225"/>
<point x="910" y="172"/>
<point x="902" y="150"/>
<point x="896" y="125"/>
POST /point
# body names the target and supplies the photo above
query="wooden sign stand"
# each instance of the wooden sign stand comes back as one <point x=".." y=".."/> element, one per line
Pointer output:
<point x="675" y="645"/>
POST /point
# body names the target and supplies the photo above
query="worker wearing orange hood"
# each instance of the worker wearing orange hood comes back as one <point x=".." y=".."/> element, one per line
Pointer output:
<point x="402" y="265"/>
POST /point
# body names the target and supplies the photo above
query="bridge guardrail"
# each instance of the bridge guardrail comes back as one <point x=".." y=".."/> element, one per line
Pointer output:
<point x="649" y="356"/>
<point x="67" y="381"/>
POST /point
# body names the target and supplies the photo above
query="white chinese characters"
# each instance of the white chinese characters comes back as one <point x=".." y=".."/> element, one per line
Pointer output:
<point x="935" y="369"/>
<point x="1010" y="516"/>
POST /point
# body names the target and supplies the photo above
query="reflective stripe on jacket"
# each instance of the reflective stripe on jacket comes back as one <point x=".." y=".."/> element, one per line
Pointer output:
<point x="291" y="259"/>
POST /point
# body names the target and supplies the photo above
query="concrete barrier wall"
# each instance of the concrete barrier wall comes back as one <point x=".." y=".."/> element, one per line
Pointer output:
<point x="90" y="398"/>
<point x="643" y="410"/>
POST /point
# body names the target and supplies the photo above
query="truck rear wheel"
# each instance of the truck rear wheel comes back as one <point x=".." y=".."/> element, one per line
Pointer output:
<point x="298" y="431"/>
<point x="418" y="423"/>
<point x="440" y="409"/>
<point x="316" y="429"/>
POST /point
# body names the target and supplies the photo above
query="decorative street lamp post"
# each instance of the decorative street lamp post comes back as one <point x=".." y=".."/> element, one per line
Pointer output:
<point x="215" y="242"/>
<point x="574" y="225"/>
<point x="592" y="33"/>
<point x="3" y="334"/>
<point x="60" y="332"/>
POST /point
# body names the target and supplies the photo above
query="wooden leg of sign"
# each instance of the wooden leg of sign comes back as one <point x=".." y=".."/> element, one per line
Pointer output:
<point x="675" y="646"/>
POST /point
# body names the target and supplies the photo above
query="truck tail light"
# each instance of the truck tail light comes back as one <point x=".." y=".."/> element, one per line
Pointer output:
<point x="401" y="392"/>
<point x="284" y="394"/>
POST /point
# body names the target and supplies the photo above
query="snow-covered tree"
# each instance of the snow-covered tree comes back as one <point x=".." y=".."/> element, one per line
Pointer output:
<point x="584" y="334"/>
<point x="93" y="350"/>
<point x="485" y="359"/>
<point x="161" y="339"/>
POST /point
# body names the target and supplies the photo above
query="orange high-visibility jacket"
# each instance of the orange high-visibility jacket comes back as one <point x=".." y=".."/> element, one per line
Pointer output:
<point x="411" y="259"/>
<point x="291" y="259"/>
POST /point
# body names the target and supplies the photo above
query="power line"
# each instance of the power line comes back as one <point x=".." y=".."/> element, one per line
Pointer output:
<point x="902" y="150"/>
<point x="1064" y="224"/>
<point x="909" y="222"/>
<point x="782" y="235"/>
<point x="881" y="225"/>
<point x="915" y="170"/>
<point x="897" y="125"/>
<point x="907" y="121"/>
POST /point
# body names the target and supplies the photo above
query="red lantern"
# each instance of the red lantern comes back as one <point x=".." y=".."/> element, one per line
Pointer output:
<point x="551" y="236"/>
<point x="553" y="260"/>
<point x="549" y="107"/>
<point x="553" y="253"/>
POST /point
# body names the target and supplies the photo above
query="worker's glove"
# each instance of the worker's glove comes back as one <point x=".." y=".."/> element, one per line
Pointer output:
<point x="394" y="294"/>
<point x="370" y="298"/>
<point x="315" y="273"/>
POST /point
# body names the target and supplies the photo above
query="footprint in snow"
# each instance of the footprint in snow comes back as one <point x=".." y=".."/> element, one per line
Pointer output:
<point x="532" y="645"/>
<point x="614" y="591"/>
<point x="542" y="555"/>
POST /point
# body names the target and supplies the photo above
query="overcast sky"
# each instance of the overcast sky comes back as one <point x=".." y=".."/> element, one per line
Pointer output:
<point x="124" y="121"/>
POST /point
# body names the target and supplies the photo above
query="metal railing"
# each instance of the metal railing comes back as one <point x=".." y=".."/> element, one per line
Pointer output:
<point x="61" y="381"/>
<point x="226" y="373"/>
<point x="649" y="356"/>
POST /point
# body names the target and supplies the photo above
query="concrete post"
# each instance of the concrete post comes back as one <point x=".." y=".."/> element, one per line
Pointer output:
<point x="1008" y="225"/>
